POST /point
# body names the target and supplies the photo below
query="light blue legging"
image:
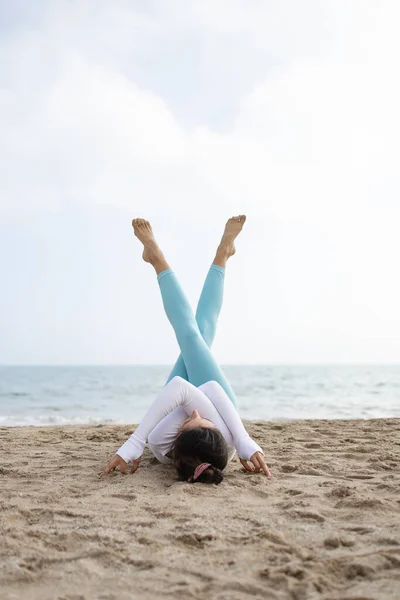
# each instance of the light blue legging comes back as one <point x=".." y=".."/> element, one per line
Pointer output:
<point x="195" y="334"/>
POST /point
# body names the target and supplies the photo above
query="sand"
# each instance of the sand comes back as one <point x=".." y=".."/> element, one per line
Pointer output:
<point x="327" y="525"/>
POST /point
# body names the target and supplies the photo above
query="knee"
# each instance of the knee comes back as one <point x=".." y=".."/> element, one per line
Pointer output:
<point x="153" y="438"/>
<point x="204" y="327"/>
<point x="191" y="332"/>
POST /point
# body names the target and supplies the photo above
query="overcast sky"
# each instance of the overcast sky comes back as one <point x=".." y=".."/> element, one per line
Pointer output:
<point x="186" y="113"/>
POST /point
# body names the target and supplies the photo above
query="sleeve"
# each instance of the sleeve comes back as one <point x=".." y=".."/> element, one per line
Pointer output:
<point x="244" y="444"/>
<point x="162" y="437"/>
<point x="178" y="392"/>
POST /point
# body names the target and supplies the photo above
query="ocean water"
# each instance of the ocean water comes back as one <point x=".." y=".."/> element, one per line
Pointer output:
<point x="122" y="394"/>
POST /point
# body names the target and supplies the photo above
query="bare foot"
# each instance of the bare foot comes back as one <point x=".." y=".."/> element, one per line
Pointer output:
<point x="233" y="227"/>
<point x="151" y="253"/>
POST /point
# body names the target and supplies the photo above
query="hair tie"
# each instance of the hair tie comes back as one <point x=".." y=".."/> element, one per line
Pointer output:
<point x="199" y="469"/>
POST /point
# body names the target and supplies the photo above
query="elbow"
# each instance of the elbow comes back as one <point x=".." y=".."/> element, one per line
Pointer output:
<point x="152" y="439"/>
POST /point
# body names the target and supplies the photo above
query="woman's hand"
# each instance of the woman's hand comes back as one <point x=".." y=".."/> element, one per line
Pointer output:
<point x="117" y="461"/>
<point x="259" y="464"/>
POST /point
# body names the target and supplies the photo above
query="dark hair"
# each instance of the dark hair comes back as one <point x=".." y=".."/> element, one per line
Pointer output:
<point x="198" y="445"/>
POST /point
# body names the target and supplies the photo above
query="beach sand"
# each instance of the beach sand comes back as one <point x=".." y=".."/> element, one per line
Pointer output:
<point x="327" y="525"/>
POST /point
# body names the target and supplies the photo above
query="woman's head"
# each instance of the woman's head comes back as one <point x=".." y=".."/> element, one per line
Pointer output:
<point x="196" y="445"/>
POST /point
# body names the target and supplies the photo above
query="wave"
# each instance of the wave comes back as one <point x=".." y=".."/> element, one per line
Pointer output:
<point x="48" y="420"/>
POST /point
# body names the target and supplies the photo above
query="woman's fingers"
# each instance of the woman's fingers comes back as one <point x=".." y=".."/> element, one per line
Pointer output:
<point x="246" y="465"/>
<point x="267" y="472"/>
<point x="264" y="466"/>
<point x="117" y="461"/>
<point x="258" y="459"/>
<point x="110" y="467"/>
<point x="259" y="464"/>
<point x="256" y="463"/>
<point x="135" y="465"/>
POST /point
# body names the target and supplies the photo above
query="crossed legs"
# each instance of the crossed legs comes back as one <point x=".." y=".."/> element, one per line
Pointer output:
<point x="195" y="334"/>
<point x="207" y="314"/>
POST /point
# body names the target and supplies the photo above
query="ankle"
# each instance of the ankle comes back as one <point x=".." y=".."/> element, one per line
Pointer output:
<point x="160" y="266"/>
<point x="221" y="258"/>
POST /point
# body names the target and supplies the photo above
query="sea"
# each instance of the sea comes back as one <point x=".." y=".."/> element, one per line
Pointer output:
<point x="59" y="395"/>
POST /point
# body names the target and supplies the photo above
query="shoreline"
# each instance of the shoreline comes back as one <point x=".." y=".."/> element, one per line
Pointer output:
<point x="327" y="525"/>
<point x="246" y="422"/>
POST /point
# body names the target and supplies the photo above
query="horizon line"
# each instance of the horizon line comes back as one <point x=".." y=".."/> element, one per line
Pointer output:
<point x="310" y="364"/>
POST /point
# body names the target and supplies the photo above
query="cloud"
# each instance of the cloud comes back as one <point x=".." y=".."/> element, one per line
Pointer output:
<point x="287" y="112"/>
<point x="313" y="134"/>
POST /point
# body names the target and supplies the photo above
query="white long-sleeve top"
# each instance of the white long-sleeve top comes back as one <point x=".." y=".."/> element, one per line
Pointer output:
<point x="174" y="404"/>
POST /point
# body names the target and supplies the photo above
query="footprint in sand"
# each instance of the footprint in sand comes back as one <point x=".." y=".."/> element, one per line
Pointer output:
<point x="307" y="514"/>
<point x="159" y="513"/>
<point x="293" y="492"/>
<point x="388" y="541"/>
<point x="275" y="538"/>
<point x="142" y="565"/>
<point x="194" y="539"/>
<point x="128" y="497"/>
<point x="335" y="542"/>
<point x="358" y="570"/>
<point x="358" y="476"/>
<point x="360" y="503"/>
<point x="288" y="468"/>
<point x="360" y="530"/>
<point x="366" y="449"/>
<point x="260" y="493"/>
<point x="341" y="491"/>
<point x="135" y="524"/>
<point x="311" y="471"/>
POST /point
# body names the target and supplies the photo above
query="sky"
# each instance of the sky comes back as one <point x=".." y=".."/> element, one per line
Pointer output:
<point x="186" y="113"/>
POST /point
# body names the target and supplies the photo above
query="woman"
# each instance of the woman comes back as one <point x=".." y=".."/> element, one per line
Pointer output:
<point x="193" y="423"/>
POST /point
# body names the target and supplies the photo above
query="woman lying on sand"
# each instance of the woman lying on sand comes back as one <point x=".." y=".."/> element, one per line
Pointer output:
<point x="193" y="423"/>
